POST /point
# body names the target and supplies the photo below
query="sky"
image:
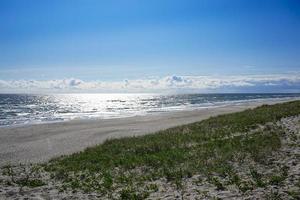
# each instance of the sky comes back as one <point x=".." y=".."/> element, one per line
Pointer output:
<point x="149" y="46"/>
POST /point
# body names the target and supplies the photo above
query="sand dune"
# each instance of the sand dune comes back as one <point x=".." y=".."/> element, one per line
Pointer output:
<point x="38" y="143"/>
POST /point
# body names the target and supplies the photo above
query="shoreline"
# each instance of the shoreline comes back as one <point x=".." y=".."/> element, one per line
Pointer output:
<point x="215" y="105"/>
<point x="41" y="142"/>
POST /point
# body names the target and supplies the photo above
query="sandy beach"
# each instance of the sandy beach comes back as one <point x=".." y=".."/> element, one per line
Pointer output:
<point x="263" y="163"/>
<point x="41" y="142"/>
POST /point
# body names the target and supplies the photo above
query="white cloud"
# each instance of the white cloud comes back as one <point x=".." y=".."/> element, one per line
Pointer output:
<point x="168" y="83"/>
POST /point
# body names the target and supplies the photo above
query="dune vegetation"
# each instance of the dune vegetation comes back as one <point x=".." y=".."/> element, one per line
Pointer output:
<point x="205" y="147"/>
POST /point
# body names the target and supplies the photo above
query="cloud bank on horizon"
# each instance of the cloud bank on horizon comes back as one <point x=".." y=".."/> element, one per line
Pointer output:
<point x="238" y="83"/>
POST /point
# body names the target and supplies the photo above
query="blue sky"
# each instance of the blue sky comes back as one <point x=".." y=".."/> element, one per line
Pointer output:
<point x="123" y="40"/>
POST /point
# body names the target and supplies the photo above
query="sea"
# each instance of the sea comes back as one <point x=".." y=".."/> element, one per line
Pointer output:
<point x="23" y="109"/>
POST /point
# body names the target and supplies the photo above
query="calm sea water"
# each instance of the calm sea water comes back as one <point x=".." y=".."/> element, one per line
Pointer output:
<point x="16" y="109"/>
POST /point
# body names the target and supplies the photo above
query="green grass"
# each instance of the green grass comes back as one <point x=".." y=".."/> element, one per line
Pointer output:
<point x="204" y="147"/>
<point x="30" y="183"/>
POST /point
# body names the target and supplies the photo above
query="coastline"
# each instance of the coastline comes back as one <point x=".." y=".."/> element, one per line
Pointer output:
<point x="244" y="155"/>
<point x="41" y="142"/>
<point x="13" y="122"/>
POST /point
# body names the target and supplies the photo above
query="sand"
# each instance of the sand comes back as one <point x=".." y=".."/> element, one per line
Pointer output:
<point x="41" y="142"/>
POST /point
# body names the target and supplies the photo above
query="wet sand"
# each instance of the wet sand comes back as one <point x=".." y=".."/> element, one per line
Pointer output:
<point x="41" y="142"/>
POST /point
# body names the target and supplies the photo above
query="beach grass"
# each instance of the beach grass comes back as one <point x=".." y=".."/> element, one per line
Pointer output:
<point x="211" y="147"/>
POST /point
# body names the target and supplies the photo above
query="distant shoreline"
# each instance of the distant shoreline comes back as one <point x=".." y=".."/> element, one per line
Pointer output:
<point x="41" y="142"/>
<point x="160" y="112"/>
